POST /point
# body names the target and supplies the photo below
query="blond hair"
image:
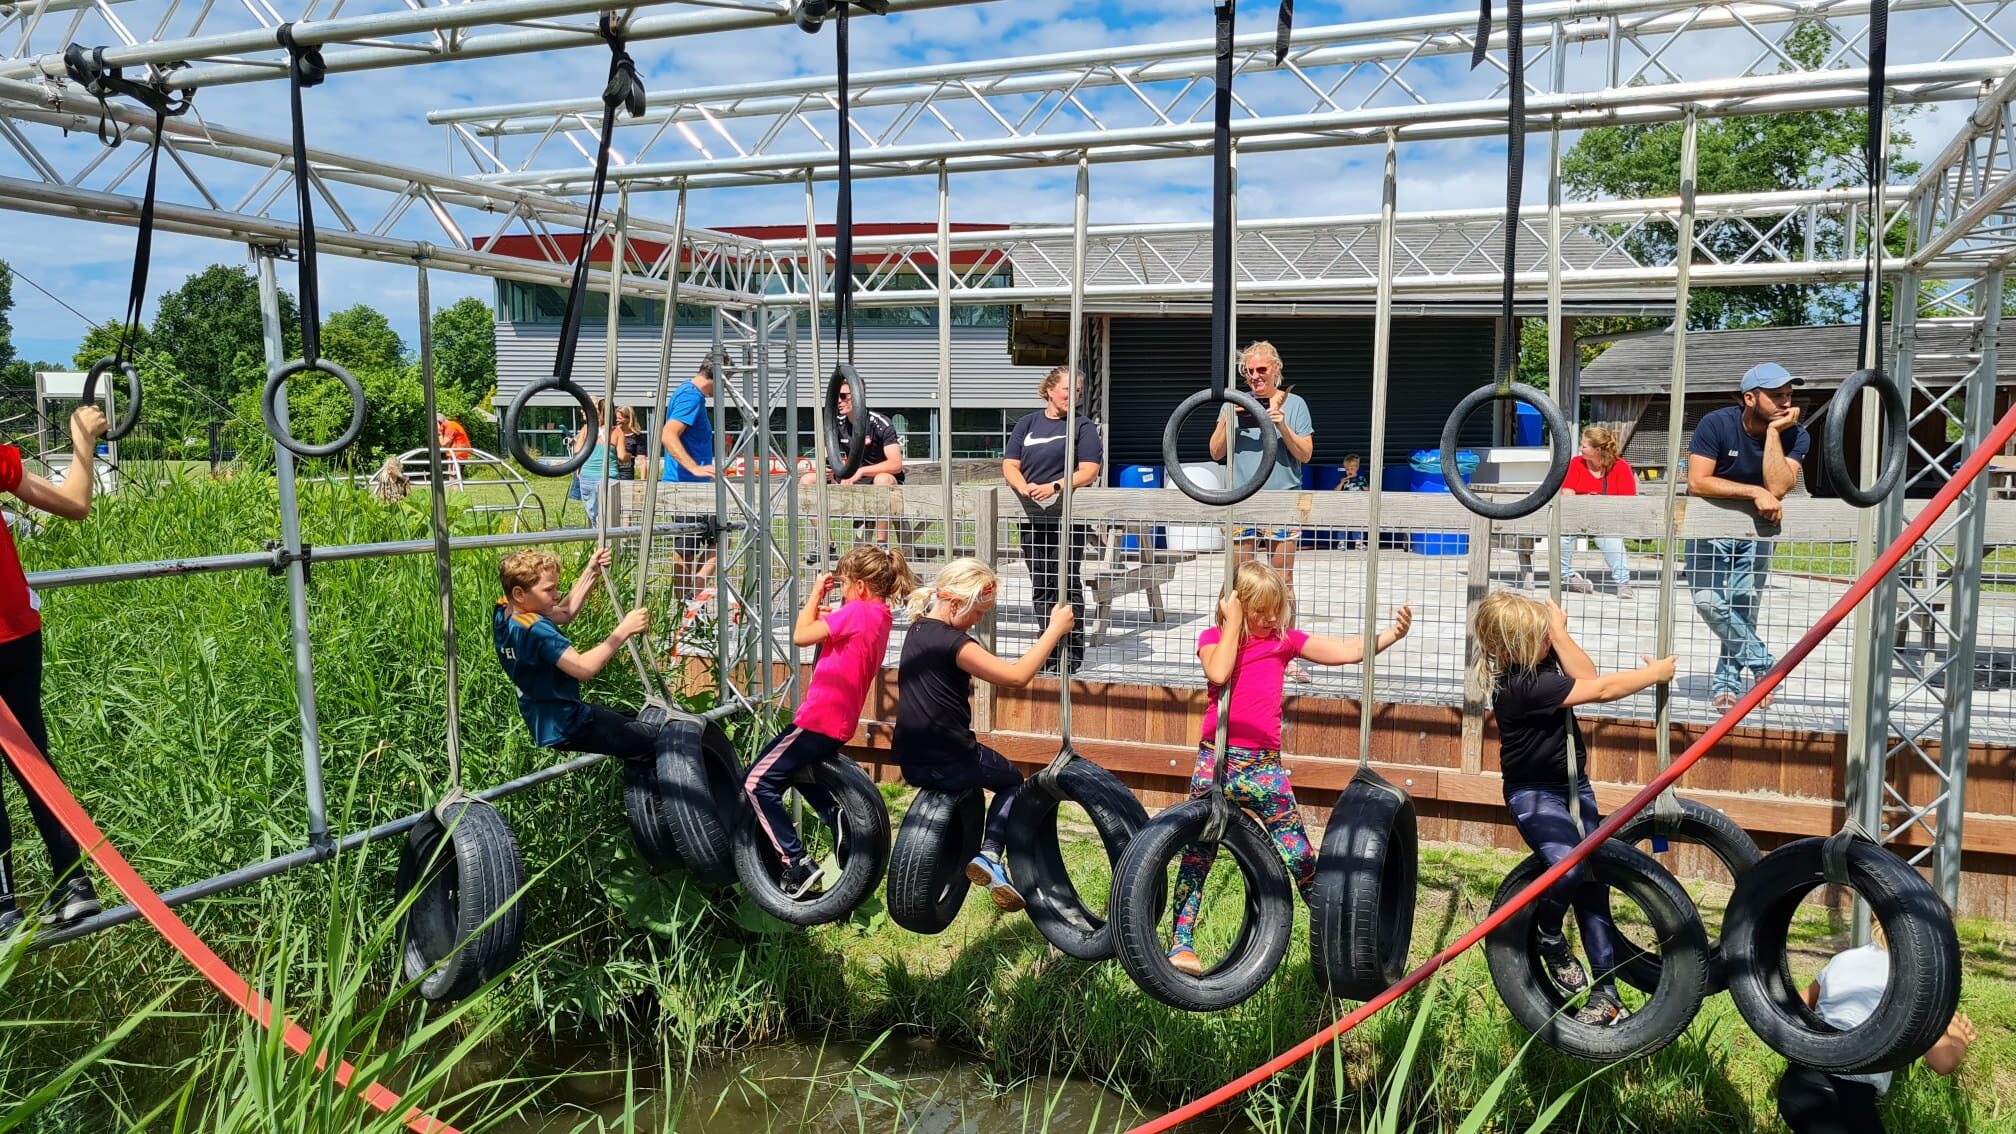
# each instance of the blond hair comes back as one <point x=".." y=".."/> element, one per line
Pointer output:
<point x="1604" y="440"/>
<point x="1265" y="350"/>
<point x="1511" y="633"/>
<point x="525" y="568"/>
<point x="965" y="582"/>
<point x="1263" y="597"/>
<point x="882" y="570"/>
<point x="1057" y="374"/>
<point x="626" y="419"/>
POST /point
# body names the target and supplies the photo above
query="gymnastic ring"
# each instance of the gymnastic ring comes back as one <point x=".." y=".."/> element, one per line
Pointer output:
<point x="1896" y="444"/>
<point x="1712" y="831"/>
<point x="1362" y="917"/>
<point x="269" y="407"/>
<point x="131" y="417"/>
<point x="533" y="462"/>
<point x="1551" y="418"/>
<point x="862" y="850"/>
<point x="845" y="377"/>
<point x="941" y="833"/>
<point x="1512" y="952"/>
<point x="465" y="926"/>
<point x="1141" y="897"/>
<point x="1923" y="990"/>
<point x="1172" y="458"/>
<point x="1053" y="901"/>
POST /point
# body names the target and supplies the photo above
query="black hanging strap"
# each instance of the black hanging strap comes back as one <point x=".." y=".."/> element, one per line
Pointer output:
<point x="1284" y="26"/>
<point x="843" y="209"/>
<point x="1877" y="160"/>
<point x="1221" y="205"/>
<point x="305" y="68"/>
<point x="1515" y="167"/>
<point x="622" y="89"/>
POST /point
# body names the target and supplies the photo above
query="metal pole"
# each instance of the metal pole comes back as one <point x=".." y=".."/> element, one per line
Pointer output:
<point x="814" y="261"/>
<point x="297" y="571"/>
<point x="756" y="472"/>
<point x="1066" y="587"/>
<point x="444" y="569"/>
<point x="604" y="489"/>
<point x="653" y="473"/>
<point x="1569" y="410"/>
<point x="1676" y="404"/>
<point x="944" y="356"/>
<point x="1382" y="361"/>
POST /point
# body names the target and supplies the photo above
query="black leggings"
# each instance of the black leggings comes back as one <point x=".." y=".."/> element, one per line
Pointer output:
<point x="1543" y="819"/>
<point x="987" y="769"/>
<point x="1813" y="1102"/>
<point x="612" y="733"/>
<point x="21" y="688"/>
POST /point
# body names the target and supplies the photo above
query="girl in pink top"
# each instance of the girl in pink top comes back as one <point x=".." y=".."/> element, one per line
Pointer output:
<point x="1252" y="649"/>
<point x="855" y="636"/>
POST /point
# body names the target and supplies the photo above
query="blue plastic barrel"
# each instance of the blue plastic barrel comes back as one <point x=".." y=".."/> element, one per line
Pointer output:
<point x="1424" y="474"/>
<point x="1141" y="476"/>
<point x="1526" y="427"/>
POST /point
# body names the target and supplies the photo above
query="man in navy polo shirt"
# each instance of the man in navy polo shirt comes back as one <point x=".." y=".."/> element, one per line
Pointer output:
<point x="1749" y="452"/>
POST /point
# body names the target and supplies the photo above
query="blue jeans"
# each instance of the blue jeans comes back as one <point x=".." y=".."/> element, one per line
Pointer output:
<point x="1543" y="819"/>
<point x="1612" y="548"/>
<point x="1727" y="576"/>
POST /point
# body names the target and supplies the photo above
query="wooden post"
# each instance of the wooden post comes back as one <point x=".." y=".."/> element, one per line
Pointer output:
<point x="1476" y="583"/>
<point x="986" y="547"/>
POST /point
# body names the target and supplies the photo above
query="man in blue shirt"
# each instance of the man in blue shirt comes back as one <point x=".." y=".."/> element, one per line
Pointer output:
<point x="688" y="439"/>
<point x="1749" y="452"/>
<point x="546" y="667"/>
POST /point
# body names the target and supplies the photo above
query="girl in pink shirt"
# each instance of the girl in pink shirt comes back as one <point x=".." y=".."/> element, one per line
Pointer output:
<point x="855" y="636"/>
<point x="1251" y="648"/>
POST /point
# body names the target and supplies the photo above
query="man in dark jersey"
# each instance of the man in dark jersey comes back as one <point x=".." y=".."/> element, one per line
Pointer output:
<point x="881" y="465"/>
<point x="1033" y="466"/>
<point x="1749" y="452"/>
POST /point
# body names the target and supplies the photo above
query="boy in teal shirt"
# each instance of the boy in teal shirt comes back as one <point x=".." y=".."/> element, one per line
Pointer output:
<point x="548" y="670"/>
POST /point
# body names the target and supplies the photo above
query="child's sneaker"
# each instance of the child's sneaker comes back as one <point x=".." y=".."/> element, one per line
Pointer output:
<point x="1184" y="960"/>
<point x="72" y="900"/>
<point x="1602" y="1010"/>
<point x="798" y="879"/>
<point x="1561" y="963"/>
<point x="986" y="870"/>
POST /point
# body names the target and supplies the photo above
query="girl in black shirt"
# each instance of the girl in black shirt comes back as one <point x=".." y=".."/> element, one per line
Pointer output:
<point x="934" y="742"/>
<point x="1535" y="674"/>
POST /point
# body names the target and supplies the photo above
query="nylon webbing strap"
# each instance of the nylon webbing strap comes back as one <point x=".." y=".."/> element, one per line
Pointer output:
<point x="1876" y="159"/>
<point x="1666" y="811"/>
<point x="843" y="209"/>
<point x="655" y="447"/>
<point x="305" y="68"/>
<point x="1221" y="364"/>
<point x="1382" y="359"/>
<point x="622" y="89"/>
<point x="1834" y="852"/>
<point x="1515" y="168"/>
<point x="602" y="433"/>
<point x="444" y="572"/>
<point x="822" y="532"/>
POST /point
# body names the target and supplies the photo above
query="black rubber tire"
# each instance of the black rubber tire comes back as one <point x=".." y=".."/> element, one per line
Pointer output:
<point x="1513" y="955"/>
<point x="685" y="805"/>
<point x="1719" y="835"/>
<point x="465" y="926"/>
<point x="1362" y="920"/>
<point x="1896" y="446"/>
<point x="1551" y="419"/>
<point x="844" y="465"/>
<point x="927" y="866"/>
<point x="89" y="397"/>
<point x="1054" y="903"/>
<point x="1172" y="456"/>
<point x="533" y="462"/>
<point x="1924" y="988"/>
<point x="269" y="407"/>
<point x="867" y="819"/>
<point x="1141" y="897"/>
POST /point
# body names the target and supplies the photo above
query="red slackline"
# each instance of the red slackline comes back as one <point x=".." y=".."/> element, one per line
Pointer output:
<point x="1885" y="563"/>
<point x="41" y="779"/>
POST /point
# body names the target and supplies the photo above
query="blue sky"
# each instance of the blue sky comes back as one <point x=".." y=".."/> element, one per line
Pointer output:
<point x="381" y="114"/>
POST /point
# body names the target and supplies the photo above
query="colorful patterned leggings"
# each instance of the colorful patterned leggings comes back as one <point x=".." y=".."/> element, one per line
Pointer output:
<point x="1255" y="781"/>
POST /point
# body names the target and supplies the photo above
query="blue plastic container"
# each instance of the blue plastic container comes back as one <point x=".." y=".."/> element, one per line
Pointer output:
<point x="1438" y="543"/>
<point x="1141" y="476"/>
<point x="1527" y="430"/>
<point x="1424" y="474"/>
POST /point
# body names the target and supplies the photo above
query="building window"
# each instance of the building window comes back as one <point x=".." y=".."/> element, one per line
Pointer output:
<point x="979" y="433"/>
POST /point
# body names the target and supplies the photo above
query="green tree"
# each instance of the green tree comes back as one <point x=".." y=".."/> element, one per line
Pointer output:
<point x="6" y="324"/>
<point x="210" y="321"/>
<point x="465" y="349"/>
<point x="361" y="338"/>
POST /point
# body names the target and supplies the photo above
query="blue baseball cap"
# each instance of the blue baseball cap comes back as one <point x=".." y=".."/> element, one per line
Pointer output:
<point x="1769" y="376"/>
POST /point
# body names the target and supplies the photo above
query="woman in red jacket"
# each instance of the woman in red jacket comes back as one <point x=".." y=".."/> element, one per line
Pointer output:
<point x="21" y="671"/>
<point x="1598" y="471"/>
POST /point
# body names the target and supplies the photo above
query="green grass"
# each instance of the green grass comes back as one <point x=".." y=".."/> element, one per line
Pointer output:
<point x="173" y="711"/>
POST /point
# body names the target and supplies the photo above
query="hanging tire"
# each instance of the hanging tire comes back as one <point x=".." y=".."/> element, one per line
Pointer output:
<point x="1709" y="829"/>
<point x="1924" y="987"/>
<point x="1141" y="897"/>
<point x="1362" y="920"/>
<point x="685" y="805"/>
<point x="464" y="926"/>
<point x="1054" y="904"/>
<point x="863" y="854"/>
<point x="1513" y="955"/>
<point x="927" y="866"/>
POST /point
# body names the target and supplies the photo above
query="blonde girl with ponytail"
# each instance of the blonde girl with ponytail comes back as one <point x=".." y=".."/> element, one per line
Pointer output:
<point x="934" y="741"/>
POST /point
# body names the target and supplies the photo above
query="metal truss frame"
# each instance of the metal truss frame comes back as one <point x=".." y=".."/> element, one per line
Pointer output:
<point x="1633" y="60"/>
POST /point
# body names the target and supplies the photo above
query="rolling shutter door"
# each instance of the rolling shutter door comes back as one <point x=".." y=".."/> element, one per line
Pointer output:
<point x="1157" y="362"/>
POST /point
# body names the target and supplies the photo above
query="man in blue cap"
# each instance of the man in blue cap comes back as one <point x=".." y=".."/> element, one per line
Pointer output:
<point x="1749" y="452"/>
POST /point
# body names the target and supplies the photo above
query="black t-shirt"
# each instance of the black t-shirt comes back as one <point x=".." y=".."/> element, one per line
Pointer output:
<point x="881" y="438"/>
<point x="1533" y="726"/>
<point x="1038" y="442"/>
<point x="934" y="701"/>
